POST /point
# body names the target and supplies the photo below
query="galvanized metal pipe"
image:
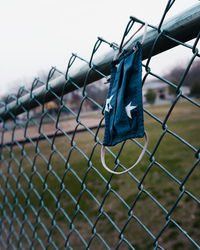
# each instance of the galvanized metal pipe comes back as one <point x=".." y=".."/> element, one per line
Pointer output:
<point x="183" y="27"/>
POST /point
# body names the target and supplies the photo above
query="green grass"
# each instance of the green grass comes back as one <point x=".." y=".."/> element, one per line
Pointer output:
<point x="87" y="185"/>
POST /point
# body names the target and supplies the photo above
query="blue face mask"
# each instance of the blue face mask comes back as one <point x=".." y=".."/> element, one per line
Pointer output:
<point x="124" y="107"/>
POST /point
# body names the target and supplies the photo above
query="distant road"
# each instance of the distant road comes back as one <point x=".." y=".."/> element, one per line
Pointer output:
<point x="48" y="129"/>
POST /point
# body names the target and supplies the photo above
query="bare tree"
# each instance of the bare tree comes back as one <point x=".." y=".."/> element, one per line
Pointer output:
<point x="193" y="76"/>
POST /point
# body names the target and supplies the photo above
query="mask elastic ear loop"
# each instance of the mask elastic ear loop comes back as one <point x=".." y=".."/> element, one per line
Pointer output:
<point x="125" y="43"/>
<point x="134" y="165"/>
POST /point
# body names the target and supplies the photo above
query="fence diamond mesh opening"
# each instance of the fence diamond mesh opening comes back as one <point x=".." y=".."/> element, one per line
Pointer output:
<point x="54" y="192"/>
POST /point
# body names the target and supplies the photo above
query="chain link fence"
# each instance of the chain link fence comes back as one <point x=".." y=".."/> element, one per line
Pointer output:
<point x="54" y="192"/>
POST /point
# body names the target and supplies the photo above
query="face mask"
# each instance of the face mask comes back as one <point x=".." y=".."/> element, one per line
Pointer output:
<point x="124" y="106"/>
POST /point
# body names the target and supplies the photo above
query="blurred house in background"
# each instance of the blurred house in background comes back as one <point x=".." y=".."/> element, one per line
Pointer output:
<point x="161" y="91"/>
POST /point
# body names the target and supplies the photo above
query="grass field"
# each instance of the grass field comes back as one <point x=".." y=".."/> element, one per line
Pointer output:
<point x="68" y="183"/>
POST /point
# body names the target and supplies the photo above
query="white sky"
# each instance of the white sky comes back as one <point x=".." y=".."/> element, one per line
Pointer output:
<point x="38" y="34"/>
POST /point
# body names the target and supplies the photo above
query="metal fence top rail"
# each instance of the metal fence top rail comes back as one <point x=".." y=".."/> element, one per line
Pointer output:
<point x="183" y="28"/>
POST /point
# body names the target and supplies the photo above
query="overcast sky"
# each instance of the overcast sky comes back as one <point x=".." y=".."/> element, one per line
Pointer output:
<point x="38" y="34"/>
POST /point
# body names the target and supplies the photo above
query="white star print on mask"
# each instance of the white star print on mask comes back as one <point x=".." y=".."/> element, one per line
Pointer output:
<point x="108" y="106"/>
<point x="128" y="110"/>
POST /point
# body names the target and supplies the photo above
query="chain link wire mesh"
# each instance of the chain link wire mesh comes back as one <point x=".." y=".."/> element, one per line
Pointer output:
<point x="54" y="192"/>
